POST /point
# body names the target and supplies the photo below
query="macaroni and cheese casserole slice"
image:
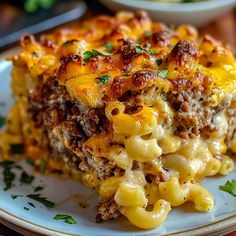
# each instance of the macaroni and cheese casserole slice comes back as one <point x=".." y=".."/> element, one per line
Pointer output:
<point x="138" y="111"/>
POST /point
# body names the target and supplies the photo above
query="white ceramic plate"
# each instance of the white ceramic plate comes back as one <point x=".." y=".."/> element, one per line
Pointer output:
<point x="67" y="194"/>
<point x="197" y="13"/>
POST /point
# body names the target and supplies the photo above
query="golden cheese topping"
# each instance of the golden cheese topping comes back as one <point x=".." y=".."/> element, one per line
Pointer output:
<point x="102" y="56"/>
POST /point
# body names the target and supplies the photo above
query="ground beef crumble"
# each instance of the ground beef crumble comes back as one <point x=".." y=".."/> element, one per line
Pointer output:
<point x="52" y="106"/>
<point x="192" y="113"/>
<point x="107" y="210"/>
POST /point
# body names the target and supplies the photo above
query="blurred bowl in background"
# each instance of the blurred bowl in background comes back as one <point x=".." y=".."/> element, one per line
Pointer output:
<point x="196" y="13"/>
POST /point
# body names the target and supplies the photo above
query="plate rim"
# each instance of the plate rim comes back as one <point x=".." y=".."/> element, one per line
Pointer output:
<point x="226" y="225"/>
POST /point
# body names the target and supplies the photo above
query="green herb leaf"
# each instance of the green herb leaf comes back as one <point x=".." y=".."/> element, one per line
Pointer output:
<point x="108" y="46"/>
<point x="90" y="54"/>
<point x="67" y="219"/>
<point x="25" y="178"/>
<point x="32" y="204"/>
<point x="93" y="53"/>
<point x="151" y="51"/>
<point x="38" y="188"/>
<point x="43" y="200"/>
<point x="2" y="121"/>
<point x="230" y="187"/>
<point x="7" y="164"/>
<point x="60" y="217"/>
<point x="17" y="167"/>
<point x="103" y="79"/>
<point x="105" y="53"/>
<point x="17" y="148"/>
<point x="14" y="196"/>
<point x="158" y="61"/>
<point x="138" y="49"/>
<point x="42" y="166"/>
<point x="8" y="178"/>
<point x="36" y="55"/>
<point x="30" y="161"/>
<point x="162" y="73"/>
<point x="8" y="175"/>
<point x="26" y="208"/>
<point x="147" y="33"/>
<point x="70" y="220"/>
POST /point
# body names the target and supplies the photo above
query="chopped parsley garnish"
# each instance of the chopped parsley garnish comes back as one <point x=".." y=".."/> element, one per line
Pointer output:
<point x="93" y="53"/>
<point x="151" y="51"/>
<point x="26" y="208"/>
<point x="147" y="33"/>
<point x="138" y="49"/>
<point x="8" y="175"/>
<point x="7" y="164"/>
<point x="18" y="167"/>
<point x="25" y="178"/>
<point x="30" y="161"/>
<point x="108" y="46"/>
<point x="66" y="218"/>
<point x="42" y="166"/>
<point x="8" y="178"/>
<point x="17" y="148"/>
<point x="36" y="55"/>
<point x="2" y="121"/>
<point x="105" y="53"/>
<point x="43" y="200"/>
<point x="90" y="54"/>
<point x="230" y="187"/>
<point x="32" y="204"/>
<point x="103" y="79"/>
<point x="15" y="196"/>
<point x="162" y="73"/>
<point x="158" y="61"/>
<point x="38" y="188"/>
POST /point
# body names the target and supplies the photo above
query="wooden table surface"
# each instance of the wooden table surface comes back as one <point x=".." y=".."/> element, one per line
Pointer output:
<point x="223" y="29"/>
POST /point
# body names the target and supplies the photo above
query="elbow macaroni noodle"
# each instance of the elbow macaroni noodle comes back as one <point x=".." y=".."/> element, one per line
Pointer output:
<point x="146" y="142"/>
<point x="148" y="219"/>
